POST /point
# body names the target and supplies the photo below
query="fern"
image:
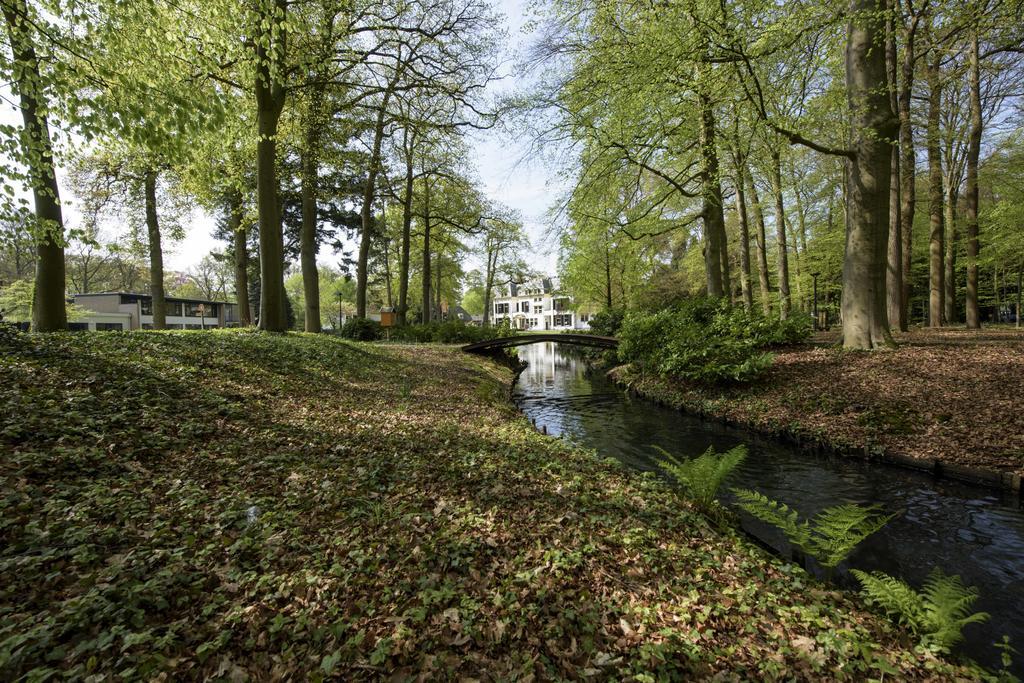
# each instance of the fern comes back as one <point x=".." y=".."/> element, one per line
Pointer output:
<point x="830" y="537"/>
<point x="936" y="615"/>
<point x="777" y="514"/>
<point x="840" y="529"/>
<point x="703" y="476"/>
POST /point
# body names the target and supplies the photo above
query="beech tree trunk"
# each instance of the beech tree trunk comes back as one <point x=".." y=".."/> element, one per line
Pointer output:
<point x="310" y="190"/>
<point x="49" y="310"/>
<point x="894" y="255"/>
<point x="741" y="213"/>
<point x="949" y="264"/>
<point x="241" y="249"/>
<point x="780" y="237"/>
<point x="270" y="99"/>
<point x="156" y="253"/>
<point x="907" y="167"/>
<point x="973" y="155"/>
<point x="366" y="216"/>
<point x="936" y="273"/>
<point x="762" y="250"/>
<point x="711" y="195"/>
<point x="426" y="252"/>
<point x="868" y="172"/>
<point x="403" y="260"/>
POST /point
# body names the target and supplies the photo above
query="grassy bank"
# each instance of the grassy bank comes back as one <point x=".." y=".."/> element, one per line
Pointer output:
<point x="952" y="396"/>
<point x="250" y="506"/>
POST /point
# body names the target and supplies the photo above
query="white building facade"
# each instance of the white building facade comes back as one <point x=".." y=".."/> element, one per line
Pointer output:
<point x="130" y="311"/>
<point x="538" y="306"/>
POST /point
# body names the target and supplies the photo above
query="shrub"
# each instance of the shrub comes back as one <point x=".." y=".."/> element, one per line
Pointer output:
<point x="706" y="340"/>
<point x="607" y="322"/>
<point x="829" y="537"/>
<point x="936" y="615"/>
<point x="360" y="329"/>
<point x="449" y="332"/>
<point x="703" y="476"/>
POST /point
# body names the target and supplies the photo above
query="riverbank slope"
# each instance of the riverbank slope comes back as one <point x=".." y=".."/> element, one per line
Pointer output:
<point x="951" y="397"/>
<point x="242" y="505"/>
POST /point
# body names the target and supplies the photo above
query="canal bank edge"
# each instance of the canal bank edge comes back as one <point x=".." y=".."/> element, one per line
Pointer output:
<point x="660" y="391"/>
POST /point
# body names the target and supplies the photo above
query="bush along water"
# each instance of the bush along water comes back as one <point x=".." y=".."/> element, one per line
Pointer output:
<point x="707" y="341"/>
<point x="449" y="332"/>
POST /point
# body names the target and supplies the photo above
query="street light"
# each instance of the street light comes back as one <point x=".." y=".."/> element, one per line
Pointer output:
<point x="815" y="276"/>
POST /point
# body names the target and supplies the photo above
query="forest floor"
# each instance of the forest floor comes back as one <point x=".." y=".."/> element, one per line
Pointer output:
<point x="183" y="505"/>
<point x="951" y="395"/>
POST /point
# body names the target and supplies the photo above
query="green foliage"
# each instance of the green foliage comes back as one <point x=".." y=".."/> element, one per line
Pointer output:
<point x="703" y="476"/>
<point x="607" y="322"/>
<point x="829" y="537"/>
<point x="360" y="329"/>
<point x="937" y="614"/>
<point x="16" y="301"/>
<point x="706" y="340"/>
<point x="449" y="332"/>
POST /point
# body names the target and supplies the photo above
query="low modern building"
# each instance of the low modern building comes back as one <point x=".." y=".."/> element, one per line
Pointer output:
<point x="538" y="305"/>
<point x="129" y="311"/>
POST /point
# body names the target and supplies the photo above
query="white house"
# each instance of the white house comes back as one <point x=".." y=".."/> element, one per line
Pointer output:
<point x="537" y="305"/>
<point x="130" y="311"/>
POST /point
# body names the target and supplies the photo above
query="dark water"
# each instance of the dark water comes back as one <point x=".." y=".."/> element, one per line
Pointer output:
<point x="963" y="529"/>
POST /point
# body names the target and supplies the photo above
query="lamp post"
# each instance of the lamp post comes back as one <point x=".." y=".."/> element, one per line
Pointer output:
<point x="815" y="276"/>
<point x="339" y="296"/>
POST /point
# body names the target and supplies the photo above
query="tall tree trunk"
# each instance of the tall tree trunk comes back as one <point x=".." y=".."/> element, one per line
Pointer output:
<point x="711" y="195"/>
<point x="907" y="167"/>
<point x="492" y="266"/>
<point x="780" y="236"/>
<point x="310" y="191"/>
<point x="936" y="288"/>
<point x="270" y="98"/>
<point x="426" y="251"/>
<point x="873" y="124"/>
<point x="894" y="255"/>
<point x="403" y="263"/>
<point x="366" y="216"/>
<point x="762" y="249"/>
<point x="238" y="235"/>
<point x="607" y="277"/>
<point x="49" y="310"/>
<point x="949" y="265"/>
<point x="156" y="253"/>
<point x="387" y="255"/>
<point x="973" y="155"/>
<point x="741" y="213"/>
<point x="1020" y="289"/>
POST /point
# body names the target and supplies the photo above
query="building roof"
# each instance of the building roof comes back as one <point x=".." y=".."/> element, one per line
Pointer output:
<point x="135" y="296"/>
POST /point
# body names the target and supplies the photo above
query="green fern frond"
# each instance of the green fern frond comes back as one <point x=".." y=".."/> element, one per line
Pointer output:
<point x="948" y="608"/>
<point x="937" y="614"/>
<point x="703" y="476"/>
<point x="777" y="514"/>
<point x="894" y="597"/>
<point x="839" y="529"/>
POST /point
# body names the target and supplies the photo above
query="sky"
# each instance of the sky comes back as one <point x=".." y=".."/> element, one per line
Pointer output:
<point x="504" y="168"/>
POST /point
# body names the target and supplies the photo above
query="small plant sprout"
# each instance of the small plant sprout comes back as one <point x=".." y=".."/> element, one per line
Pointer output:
<point x="829" y="537"/>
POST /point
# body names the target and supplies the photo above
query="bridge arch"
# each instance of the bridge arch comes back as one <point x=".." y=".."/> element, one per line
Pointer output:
<point x="523" y="339"/>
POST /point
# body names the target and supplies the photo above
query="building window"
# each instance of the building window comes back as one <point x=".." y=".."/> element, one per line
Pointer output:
<point x="563" y="320"/>
<point x="538" y="309"/>
<point x="585" y="318"/>
<point x="500" y="308"/>
<point x="192" y="310"/>
<point x="173" y="308"/>
<point x="109" y="327"/>
<point x="524" y="306"/>
<point x="146" y="306"/>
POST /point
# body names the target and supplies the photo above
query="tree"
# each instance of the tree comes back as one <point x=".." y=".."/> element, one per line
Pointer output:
<point x="36" y="152"/>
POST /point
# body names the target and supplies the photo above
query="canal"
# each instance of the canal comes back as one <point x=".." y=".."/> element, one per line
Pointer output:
<point x="960" y="528"/>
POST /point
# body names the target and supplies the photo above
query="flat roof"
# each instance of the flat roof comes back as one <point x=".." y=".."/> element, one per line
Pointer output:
<point x="135" y="295"/>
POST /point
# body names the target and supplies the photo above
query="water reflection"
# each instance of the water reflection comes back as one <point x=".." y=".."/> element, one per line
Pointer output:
<point x="963" y="529"/>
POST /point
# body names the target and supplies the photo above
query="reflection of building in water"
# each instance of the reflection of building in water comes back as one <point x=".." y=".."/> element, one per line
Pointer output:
<point x="538" y="305"/>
